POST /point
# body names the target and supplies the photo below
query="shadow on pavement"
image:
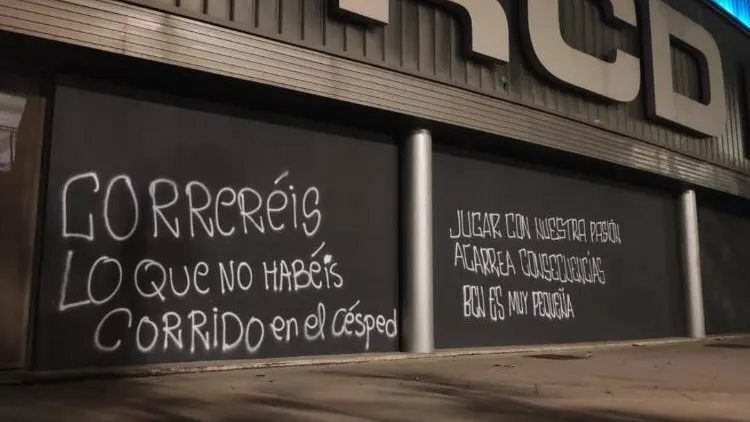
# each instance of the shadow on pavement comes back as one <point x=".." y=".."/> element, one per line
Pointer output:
<point x="404" y="397"/>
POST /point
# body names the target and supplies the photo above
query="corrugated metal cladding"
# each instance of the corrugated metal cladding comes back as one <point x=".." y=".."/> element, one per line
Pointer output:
<point x="415" y="84"/>
<point x="424" y="40"/>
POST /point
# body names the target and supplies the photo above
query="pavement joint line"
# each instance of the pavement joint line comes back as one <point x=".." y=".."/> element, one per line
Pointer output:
<point x="143" y="371"/>
<point x="687" y="396"/>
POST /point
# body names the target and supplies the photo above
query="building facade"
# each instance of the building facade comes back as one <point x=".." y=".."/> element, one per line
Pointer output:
<point x="193" y="181"/>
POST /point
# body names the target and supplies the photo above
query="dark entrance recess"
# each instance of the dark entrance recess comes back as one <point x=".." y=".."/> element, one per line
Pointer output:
<point x="724" y="229"/>
<point x="22" y="109"/>
<point x="550" y="256"/>
<point x="181" y="231"/>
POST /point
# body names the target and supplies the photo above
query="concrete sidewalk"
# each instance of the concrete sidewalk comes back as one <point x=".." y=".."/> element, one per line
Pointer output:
<point x="693" y="382"/>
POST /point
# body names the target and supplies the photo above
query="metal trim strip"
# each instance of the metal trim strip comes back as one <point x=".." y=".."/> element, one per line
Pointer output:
<point x="148" y="34"/>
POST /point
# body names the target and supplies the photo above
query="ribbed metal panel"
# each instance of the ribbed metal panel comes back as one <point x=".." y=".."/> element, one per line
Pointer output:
<point x="138" y="32"/>
<point x="424" y="40"/>
<point x="726" y="150"/>
<point x="419" y="40"/>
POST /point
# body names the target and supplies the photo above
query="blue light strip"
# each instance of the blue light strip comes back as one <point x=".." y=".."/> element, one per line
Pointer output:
<point x="739" y="9"/>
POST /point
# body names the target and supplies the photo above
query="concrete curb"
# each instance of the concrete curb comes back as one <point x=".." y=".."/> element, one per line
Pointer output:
<point x="33" y="377"/>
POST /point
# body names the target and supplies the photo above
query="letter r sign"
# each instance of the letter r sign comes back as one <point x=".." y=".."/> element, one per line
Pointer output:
<point x="489" y="25"/>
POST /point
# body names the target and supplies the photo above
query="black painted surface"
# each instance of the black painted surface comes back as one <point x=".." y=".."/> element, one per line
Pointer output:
<point x="725" y="251"/>
<point x="114" y="132"/>
<point x="640" y="296"/>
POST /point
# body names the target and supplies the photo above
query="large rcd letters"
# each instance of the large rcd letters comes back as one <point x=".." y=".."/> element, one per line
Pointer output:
<point x="616" y="79"/>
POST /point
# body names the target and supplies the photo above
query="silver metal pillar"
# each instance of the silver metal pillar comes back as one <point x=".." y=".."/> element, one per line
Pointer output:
<point x="691" y="264"/>
<point x="417" y="310"/>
